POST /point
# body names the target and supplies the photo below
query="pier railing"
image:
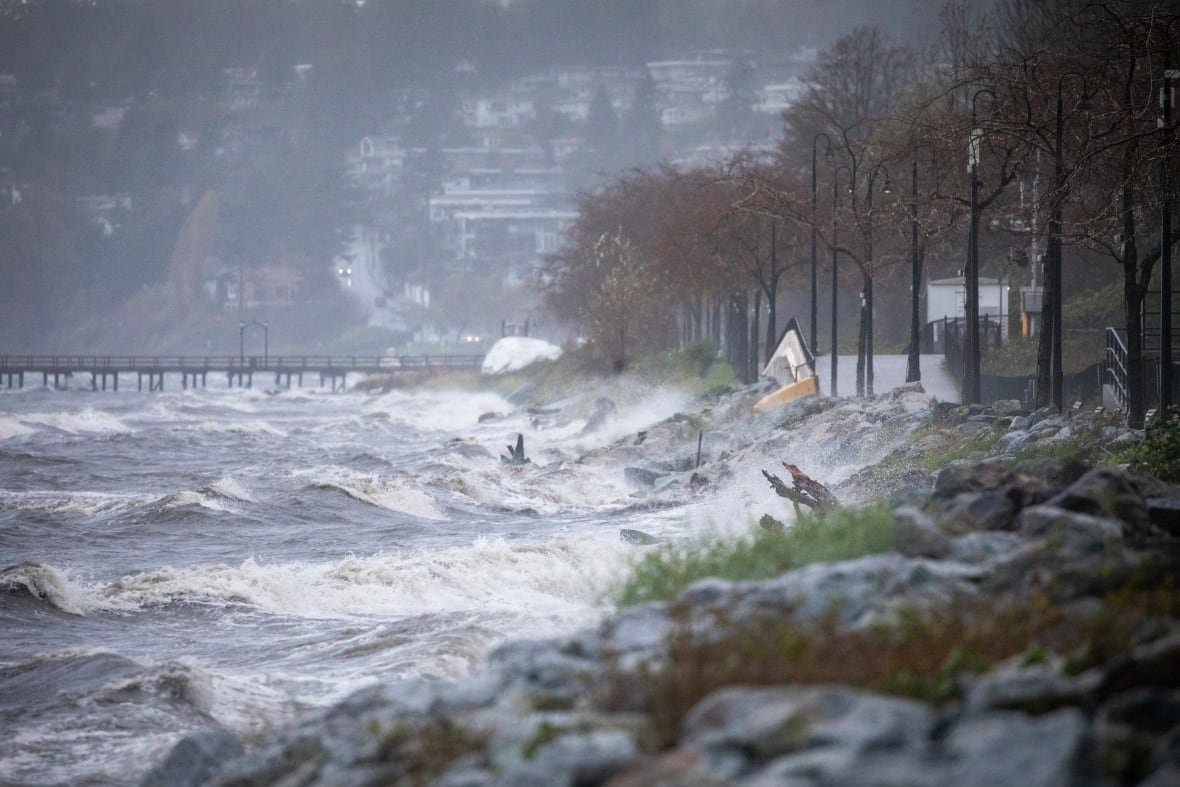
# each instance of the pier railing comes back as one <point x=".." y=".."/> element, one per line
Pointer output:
<point x="237" y="368"/>
<point x="225" y="363"/>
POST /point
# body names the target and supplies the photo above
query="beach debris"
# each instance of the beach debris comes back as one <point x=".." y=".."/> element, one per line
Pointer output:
<point x="804" y="489"/>
<point x="516" y="454"/>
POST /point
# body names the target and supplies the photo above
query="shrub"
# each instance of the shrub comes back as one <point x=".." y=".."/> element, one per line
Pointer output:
<point x="836" y="534"/>
<point x="1158" y="454"/>
<point x="923" y="654"/>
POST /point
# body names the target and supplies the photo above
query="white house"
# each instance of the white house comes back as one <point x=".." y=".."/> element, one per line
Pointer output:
<point x="946" y="298"/>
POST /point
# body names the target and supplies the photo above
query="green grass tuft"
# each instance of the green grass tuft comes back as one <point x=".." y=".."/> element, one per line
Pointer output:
<point x="836" y="534"/>
<point x="1158" y="454"/>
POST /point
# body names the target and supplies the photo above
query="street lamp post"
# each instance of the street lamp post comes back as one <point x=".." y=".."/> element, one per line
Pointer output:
<point x="814" y="336"/>
<point x="242" y="326"/>
<point x="913" y="372"/>
<point x="886" y="188"/>
<point x="1166" y="393"/>
<point x="1053" y="282"/>
<point x="971" y="387"/>
<point x="835" y="277"/>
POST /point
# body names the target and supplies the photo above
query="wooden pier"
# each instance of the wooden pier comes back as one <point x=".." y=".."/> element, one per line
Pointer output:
<point x="194" y="371"/>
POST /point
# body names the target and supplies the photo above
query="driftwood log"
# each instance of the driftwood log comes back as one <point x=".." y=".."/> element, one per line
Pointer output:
<point x="804" y="490"/>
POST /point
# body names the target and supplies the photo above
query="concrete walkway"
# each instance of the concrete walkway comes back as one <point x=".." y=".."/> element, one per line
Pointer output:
<point x="889" y="373"/>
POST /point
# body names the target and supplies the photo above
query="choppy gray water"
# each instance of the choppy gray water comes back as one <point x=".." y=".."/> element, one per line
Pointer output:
<point x="174" y="561"/>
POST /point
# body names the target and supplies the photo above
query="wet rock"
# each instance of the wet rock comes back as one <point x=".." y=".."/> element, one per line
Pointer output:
<point x="1035" y="689"/>
<point x="550" y="674"/>
<point x="637" y="633"/>
<point x="637" y="537"/>
<point x="1046" y="475"/>
<point x="1008" y="407"/>
<point x="984" y="547"/>
<point x="1132" y="732"/>
<point x="1079" y="533"/>
<point x="915" y="534"/>
<point x="959" y="477"/>
<point x="1015" y="440"/>
<point x="761" y="724"/>
<point x="570" y="758"/>
<point x="857" y="591"/>
<point x="992" y="510"/>
<point x="195" y="759"/>
<point x="1012" y="748"/>
<point x="641" y="477"/>
<point x="1106" y="492"/>
<point x="1164" y="513"/>
<point x="677" y="768"/>
<point x="1154" y="664"/>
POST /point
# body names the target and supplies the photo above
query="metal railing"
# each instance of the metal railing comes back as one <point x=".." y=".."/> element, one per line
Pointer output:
<point x="232" y="363"/>
<point x="1114" y="372"/>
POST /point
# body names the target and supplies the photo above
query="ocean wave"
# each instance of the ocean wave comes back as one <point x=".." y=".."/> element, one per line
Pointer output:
<point x="177" y="681"/>
<point x="88" y="421"/>
<point x="556" y="488"/>
<point x="565" y="579"/>
<point x="188" y="499"/>
<point x="229" y="488"/>
<point x="13" y="427"/>
<point x="398" y="493"/>
<point x="240" y="427"/>
<point x="30" y="681"/>
<point x="48" y="584"/>
<point x="441" y="410"/>
<point x="84" y="503"/>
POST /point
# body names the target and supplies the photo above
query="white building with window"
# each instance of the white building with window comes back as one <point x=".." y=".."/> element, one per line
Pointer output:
<point x="947" y="299"/>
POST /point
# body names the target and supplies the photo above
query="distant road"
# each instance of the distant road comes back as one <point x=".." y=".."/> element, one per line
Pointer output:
<point x="888" y="373"/>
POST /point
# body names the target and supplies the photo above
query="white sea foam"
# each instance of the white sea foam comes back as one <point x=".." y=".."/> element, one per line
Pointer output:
<point x="88" y="421"/>
<point x="12" y="427"/>
<point x="52" y="584"/>
<point x="191" y="497"/>
<point x="400" y="493"/>
<point x="231" y="489"/>
<point x="84" y="503"/>
<point x="240" y="427"/>
<point x="445" y="410"/>
<point x="557" y="579"/>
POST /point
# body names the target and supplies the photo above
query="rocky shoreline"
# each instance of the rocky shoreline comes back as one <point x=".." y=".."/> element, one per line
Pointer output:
<point x="1024" y="628"/>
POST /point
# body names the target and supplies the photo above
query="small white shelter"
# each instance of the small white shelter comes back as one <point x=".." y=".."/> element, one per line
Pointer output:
<point x="947" y="298"/>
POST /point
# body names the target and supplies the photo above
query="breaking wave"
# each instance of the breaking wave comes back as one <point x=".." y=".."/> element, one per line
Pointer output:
<point x="45" y="583"/>
<point x="393" y="494"/>
<point x="561" y="578"/>
<point x="88" y="421"/>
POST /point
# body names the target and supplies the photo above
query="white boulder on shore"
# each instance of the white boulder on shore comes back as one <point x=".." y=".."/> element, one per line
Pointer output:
<point x="513" y="353"/>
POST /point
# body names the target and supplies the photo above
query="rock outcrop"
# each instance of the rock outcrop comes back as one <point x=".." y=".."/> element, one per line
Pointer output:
<point x="1084" y="558"/>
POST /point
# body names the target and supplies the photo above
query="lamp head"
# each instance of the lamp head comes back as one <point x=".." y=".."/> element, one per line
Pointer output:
<point x="1084" y="103"/>
<point x="887" y="186"/>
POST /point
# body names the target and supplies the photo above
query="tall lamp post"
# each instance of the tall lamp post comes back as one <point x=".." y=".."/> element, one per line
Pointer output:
<point x="886" y="188"/>
<point x="971" y="388"/>
<point x="1053" y="274"/>
<point x="814" y="336"/>
<point x="835" y="254"/>
<point x="913" y="371"/>
<point x="1166" y="393"/>
<point x="242" y="326"/>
